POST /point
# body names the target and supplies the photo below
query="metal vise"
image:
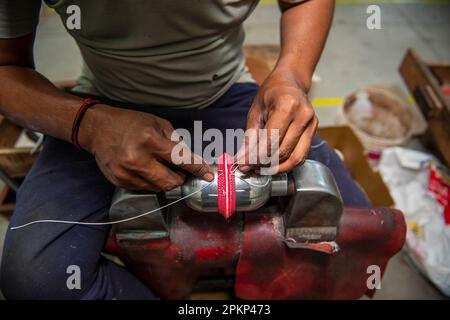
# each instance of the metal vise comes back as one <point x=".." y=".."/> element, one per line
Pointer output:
<point x="308" y="197"/>
<point x="290" y="238"/>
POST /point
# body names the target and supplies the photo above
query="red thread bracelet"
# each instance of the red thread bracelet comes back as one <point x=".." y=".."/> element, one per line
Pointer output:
<point x="88" y="103"/>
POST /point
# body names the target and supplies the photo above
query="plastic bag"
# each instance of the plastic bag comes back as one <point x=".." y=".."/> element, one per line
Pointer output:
<point x="420" y="188"/>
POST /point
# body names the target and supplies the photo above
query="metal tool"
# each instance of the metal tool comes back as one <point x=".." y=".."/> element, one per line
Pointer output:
<point x="307" y="196"/>
<point x="248" y="191"/>
<point x="289" y="238"/>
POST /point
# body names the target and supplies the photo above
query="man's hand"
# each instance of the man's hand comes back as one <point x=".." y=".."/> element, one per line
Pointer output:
<point x="132" y="149"/>
<point x="282" y="104"/>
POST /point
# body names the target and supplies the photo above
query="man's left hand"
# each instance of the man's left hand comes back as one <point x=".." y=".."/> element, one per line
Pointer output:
<point x="282" y="104"/>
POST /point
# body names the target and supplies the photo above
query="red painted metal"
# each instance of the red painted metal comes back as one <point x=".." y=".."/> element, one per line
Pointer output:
<point x="265" y="268"/>
<point x="365" y="237"/>
<point x="226" y="187"/>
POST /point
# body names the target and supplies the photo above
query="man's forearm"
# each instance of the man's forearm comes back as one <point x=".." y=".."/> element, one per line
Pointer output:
<point x="304" y="29"/>
<point x="29" y="99"/>
<point x="281" y="103"/>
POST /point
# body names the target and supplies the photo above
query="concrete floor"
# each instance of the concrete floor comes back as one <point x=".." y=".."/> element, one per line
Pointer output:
<point x="354" y="56"/>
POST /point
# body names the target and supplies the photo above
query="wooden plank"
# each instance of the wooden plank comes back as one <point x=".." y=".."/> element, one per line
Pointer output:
<point x="9" y="133"/>
<point x="424" y="81"/>
<point x="15" y="151"/>
<point x="441" y="71"/>
<point x="343" y="139"/>
<point x="5" y="208"/>
<point x="419" y="78"/>
<point x="16" y="162"/>
<point x="3" y="193"/>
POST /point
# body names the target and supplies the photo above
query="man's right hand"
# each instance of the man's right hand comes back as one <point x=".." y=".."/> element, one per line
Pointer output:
<point x="131" y="148"/>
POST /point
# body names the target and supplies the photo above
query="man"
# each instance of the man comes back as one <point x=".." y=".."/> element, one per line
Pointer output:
<point x="155" y="66"/>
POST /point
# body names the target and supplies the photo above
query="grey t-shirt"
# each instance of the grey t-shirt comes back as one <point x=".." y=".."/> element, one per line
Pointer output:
<point x="173" y="53"/>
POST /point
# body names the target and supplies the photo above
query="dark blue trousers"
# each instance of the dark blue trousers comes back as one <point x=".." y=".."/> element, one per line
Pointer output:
<point x="65" y="183"/>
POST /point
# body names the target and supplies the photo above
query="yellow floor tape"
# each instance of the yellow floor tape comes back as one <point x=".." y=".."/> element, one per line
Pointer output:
<point x="327" y="102"/>
<point x="337" y="102"/>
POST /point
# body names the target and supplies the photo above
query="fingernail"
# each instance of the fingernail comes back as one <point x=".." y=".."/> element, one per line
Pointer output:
<point x="208" y="176"/>
<point x="269" y="171"/>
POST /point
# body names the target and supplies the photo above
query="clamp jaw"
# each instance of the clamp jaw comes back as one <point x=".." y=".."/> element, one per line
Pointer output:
<point x="308" y="198"/>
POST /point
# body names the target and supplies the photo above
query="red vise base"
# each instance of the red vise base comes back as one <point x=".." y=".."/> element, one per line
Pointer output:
<point x="264" y="267"/>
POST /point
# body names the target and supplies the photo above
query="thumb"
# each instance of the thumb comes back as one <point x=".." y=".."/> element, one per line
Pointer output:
<point x="247" y="154"/>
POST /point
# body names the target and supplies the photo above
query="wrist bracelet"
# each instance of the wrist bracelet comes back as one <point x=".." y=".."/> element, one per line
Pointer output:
<point x="88" y="103"/>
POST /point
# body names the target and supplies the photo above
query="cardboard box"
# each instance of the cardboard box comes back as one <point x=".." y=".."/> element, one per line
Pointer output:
<point x="344" y="139"/>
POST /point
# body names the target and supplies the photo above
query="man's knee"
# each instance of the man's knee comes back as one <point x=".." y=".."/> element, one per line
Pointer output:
<point x="17" y="279"/>
<point x="31" y="268"/>
<point x="36" y="276"/>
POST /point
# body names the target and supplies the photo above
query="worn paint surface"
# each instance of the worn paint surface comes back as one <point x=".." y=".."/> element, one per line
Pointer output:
<point x="265" y="268"/>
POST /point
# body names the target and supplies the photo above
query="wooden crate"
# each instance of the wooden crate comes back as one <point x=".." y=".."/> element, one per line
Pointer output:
<point x="6" y="205"/>
<point x="426" y="82"/>
<point x="343" y="138"/>
<point x="15" y="162"/>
